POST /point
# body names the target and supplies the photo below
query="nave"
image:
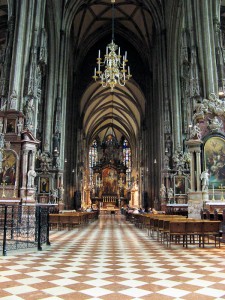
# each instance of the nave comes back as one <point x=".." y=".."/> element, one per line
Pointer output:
<point x="111" y="259"/>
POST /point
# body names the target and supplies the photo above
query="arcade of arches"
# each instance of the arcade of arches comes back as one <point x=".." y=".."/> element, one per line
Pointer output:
<point x="157" y="141"/>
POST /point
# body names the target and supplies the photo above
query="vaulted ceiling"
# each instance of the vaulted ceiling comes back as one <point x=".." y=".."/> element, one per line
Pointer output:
<point x="92" y="30"/>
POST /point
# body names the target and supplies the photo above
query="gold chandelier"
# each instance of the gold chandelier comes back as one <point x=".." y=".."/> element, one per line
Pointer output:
<point x="114" y="66"/>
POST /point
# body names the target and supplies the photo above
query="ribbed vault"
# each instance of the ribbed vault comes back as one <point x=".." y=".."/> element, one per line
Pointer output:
<point x="91" y="29"/>
<point x="122" y="109"/>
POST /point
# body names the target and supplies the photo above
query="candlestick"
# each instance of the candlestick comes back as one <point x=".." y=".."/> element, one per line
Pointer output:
<point x="222" y="198"/>
<point x="14" y="193"/>
<point x="213" y="197"/>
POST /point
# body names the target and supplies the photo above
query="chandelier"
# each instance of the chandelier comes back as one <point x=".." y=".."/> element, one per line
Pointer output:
<point x="114" y="66"/>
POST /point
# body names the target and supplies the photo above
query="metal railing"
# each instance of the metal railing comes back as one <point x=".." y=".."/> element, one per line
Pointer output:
<point x="24" y="226"/>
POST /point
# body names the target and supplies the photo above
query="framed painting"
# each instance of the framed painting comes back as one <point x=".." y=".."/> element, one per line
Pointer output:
<point x="8" y="164"/>
<point x="214" y="159"/>
<point x="44" y="185"/>
<point x="11" y="126"/>
<point x="109" y="176"/>
<point x="179" y="185"/>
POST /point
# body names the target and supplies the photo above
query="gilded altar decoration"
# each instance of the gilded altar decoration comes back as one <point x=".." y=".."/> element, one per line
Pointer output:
<point x="44" y="185"/>
<point x="8" y="171"/>
<point x="179" y="185"/>
<point x="214" y="154"/>
<point x="109" y="181"/>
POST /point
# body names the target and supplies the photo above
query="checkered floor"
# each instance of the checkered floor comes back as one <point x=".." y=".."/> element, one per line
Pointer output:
<point x="110" y="259"/>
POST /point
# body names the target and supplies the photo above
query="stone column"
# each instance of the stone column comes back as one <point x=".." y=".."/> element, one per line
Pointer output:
<point x="198" y="170"/>
<point x="192" y="171"/>
<point x="24" y="172"/>
<point x="195" y="195"/>
<point x="20" y="53"/>
<point x="29" y="144"/>
<point x="206" y="43"/>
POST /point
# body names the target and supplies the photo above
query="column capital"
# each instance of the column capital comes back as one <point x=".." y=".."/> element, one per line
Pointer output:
<point x="194" y="145"/>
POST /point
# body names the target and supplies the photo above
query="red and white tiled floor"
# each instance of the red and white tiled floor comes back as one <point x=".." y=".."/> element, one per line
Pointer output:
<point x="110" y="259"/>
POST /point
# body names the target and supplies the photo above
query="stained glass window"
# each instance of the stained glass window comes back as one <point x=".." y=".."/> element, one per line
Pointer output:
<point x="93" y="158"/>
<point x="127" y="161"/>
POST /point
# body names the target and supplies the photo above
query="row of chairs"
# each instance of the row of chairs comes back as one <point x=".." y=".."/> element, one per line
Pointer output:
<point x="70" y="220"/>
<point x="179" y="229"/>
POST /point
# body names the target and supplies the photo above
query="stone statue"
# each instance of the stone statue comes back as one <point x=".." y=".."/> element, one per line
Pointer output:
<point x="31" y="175"/>
<point x="205" y="180"/>
<point x="215" y="124"/>
<point x="60" y="192"/>
<point x="195" y="132"/>
<point x="54" y="195"/>
<point x="45" y="160"/>
<point x="199" y="109"/>
<point x="170" y="194"/>
<point x="29" y="112"/>
<point x="163" y="191"/>
<point x="19" y="127"/>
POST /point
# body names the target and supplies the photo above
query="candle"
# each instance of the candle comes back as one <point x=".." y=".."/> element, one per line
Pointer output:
<point x="95" y="71"/>
<point x="213" y="193"/>
<point x="99" y="53"/>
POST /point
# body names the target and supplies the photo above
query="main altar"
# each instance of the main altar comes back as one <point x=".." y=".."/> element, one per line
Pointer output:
<point x="109" y="187"/>
<point x="109" y="184"/>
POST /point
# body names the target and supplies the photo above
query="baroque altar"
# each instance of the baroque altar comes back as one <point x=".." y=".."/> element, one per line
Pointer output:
<point x="109" y="186"/>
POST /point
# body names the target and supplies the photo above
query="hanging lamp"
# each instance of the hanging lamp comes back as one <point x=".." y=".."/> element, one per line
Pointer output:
<point x="113" y="69"/>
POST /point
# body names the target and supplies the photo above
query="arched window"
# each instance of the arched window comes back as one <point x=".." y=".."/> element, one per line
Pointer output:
<point x="127" y="161"/>
<point x="93" y="158"/>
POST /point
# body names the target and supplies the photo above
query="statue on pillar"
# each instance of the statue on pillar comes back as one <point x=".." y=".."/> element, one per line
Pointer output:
<point x="205" y="180"/>
<point x="54" y="195"/>
<point x="170" y="194"/>
<point x="195" y="132"/>
<point x="29" y="113"/>
<point x="31" y="175"/>
<point x="162" y="191"/>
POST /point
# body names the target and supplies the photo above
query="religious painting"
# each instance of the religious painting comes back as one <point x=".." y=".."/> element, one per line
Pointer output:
<point x="8" y="161"/>
<point x="11" y="125"/>
<point x="44" y="185"/>
<point x="214" y="157"/>
<point x="179" y="185"/>
<point x="109" y="176"/>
